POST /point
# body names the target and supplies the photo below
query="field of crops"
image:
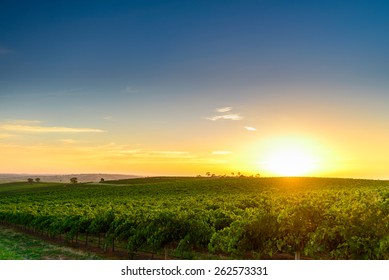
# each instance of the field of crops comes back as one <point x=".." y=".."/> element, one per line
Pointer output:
<point x="255" y="218"/>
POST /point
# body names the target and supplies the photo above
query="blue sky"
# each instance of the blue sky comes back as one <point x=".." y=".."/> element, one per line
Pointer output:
<point x="108" y="44"/>
<point x="163" y="67"/>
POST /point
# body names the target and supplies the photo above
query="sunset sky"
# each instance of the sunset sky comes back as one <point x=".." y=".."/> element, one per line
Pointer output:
<point x="182" y="87"/>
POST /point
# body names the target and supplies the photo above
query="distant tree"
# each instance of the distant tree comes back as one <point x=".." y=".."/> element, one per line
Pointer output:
<point x="238" y="174"/>
<point x="102" y="180"/>
<point x="232" y="174"/>
<point x="30" y="180"/>
<point x="73" y="180"/>
<point x="208" y="173"/>
<point x="213" y="175"/>
<point x="257" y="175"/>
<point x="37" y="180"/>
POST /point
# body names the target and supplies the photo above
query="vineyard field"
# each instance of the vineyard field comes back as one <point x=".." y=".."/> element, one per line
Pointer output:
<point x="208" y="218"/>
<point x="15" y="245"/>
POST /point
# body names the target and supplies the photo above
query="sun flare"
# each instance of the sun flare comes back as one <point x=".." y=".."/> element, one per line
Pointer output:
<point x="291" y="158"/>
<point x="291" y="163"/>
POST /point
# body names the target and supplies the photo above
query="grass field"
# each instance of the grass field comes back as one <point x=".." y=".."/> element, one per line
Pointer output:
<point x="24" y="186"/>
<point x="15" y="245"/>
<point x="253" y="218"/>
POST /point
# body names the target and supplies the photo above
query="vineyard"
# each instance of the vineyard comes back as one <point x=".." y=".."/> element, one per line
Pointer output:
<point x="235" y="218"/>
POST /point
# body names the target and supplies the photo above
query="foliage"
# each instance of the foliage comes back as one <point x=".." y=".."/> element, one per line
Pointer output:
<point x="236" y="217"/>
<point x="73" y="180"/>
<point x="15" y="245"/>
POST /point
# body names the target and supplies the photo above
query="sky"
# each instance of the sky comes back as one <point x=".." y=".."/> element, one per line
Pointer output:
<point x="269" y="87"/>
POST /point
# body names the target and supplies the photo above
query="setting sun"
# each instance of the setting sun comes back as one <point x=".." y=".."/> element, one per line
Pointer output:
<point x="291" y="163"/>
<point x="291" y="157"/>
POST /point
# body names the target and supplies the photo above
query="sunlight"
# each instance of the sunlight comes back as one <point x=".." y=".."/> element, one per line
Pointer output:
<point x="291" y="157"/>
<point x="290" y="163"/>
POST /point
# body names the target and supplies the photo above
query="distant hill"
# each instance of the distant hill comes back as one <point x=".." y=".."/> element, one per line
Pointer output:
<point x="64" y="178"/>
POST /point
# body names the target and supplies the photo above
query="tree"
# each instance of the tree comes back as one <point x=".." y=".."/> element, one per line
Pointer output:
<point x="102" y="180"/>
<point x="208" y="173"/>
<point x="73" y="180"/>
<point x="37" y="180"/>
<point x="30" y="180"/>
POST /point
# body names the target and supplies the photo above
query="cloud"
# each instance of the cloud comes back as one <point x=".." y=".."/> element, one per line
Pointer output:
<point x="233" y="117"/>
<point x="131" y="90"/>
<point x="209" y="161"/>
<point x="249" y="128"/>
<point x="68" y="141"/>
<point x="126" y="152"/>
<point x="48" y="129"/>
<point x="25" y="122"/>
<point x="223" y="110"/>
<point x="221" y="152"/>
<point x="169" y="152"/>
<point x="166" y="154"/>
<point x="130" y="152"/>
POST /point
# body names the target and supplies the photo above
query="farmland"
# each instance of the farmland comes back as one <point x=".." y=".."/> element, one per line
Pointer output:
<point x="18" y="246"/>
<point x="235" y="218"/>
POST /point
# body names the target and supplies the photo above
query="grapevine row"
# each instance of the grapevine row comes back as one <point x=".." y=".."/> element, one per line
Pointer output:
<point x="250" y="218"/>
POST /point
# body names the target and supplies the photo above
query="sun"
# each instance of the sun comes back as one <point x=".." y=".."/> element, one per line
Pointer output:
<point x="290" y="158"/>
<point x="291" y="163"/>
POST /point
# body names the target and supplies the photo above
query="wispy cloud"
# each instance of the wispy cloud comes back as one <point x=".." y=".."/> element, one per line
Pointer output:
<point x="233" y="117"/>
<point x="223" y="110"/>
<point x="23" y="122"/>
<point x="47" y="129"/>
<point x="221" y="152"/>
<point x="68" y="141"/>
<point x="131" y="90"/>
<point x="121" y="151"/>
<point x="250" y="128"/>
<point x="129" y="152"/>
<point x="165" y="154"/>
